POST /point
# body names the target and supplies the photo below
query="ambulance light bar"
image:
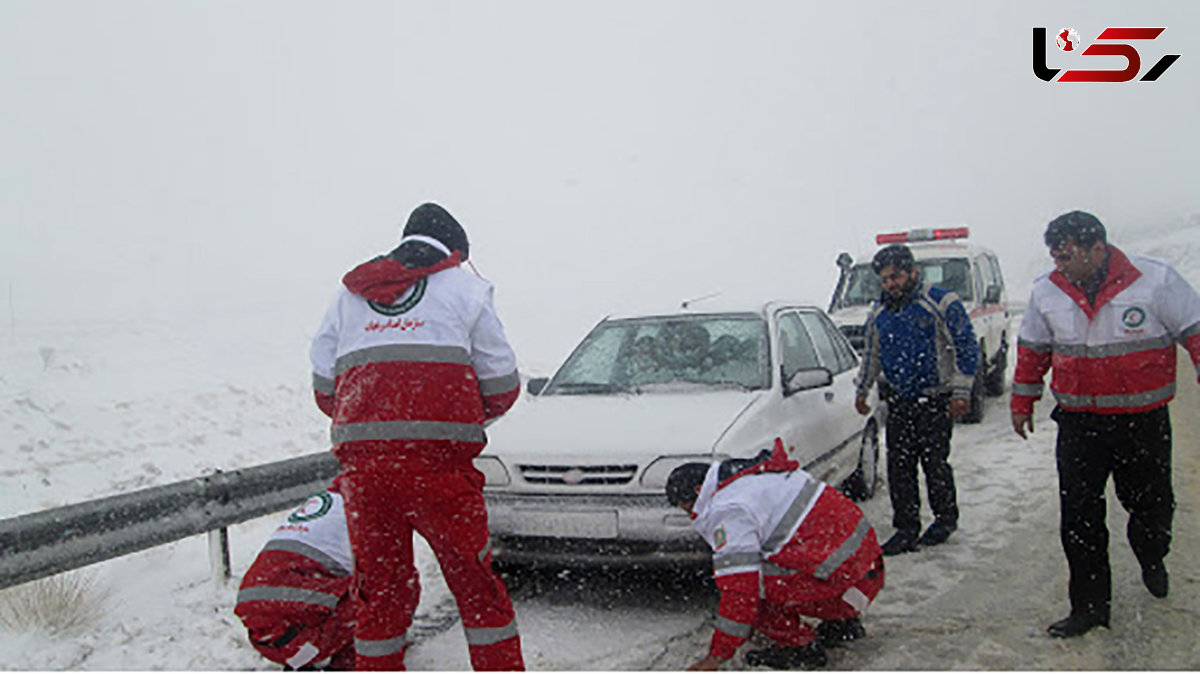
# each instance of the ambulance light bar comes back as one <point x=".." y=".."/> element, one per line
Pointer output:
<point x="914" y="235"/>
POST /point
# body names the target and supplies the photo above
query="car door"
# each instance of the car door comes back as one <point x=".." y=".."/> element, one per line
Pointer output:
<point x="803" y="418"/>
<point x="843" y="419"/>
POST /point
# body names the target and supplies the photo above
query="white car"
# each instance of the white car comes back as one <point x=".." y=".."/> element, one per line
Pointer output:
<point x="944" y="258"/>
<point x="577" y="471"/>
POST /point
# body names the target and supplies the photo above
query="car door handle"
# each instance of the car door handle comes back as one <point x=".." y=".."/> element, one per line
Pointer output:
<point x="829" y="396"/>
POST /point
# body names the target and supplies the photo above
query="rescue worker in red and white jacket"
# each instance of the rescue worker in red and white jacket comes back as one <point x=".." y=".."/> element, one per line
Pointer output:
<point x="1107" y="324"/>
<point x="808" y="548"/>
<point x="410" y="361"/>
<point x="295" y="598"/>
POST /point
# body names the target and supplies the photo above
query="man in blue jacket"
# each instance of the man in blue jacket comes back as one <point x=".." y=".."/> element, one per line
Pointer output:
<point x="921" y="350"/>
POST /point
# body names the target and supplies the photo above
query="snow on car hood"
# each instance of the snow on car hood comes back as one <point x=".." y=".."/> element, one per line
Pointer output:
<point x="856" y="315"/>
<point x="623" y="427"/>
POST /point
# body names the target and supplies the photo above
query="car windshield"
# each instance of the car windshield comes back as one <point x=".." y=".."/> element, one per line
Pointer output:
<point x="668" y="353"/>
<point x="951" y="273"/>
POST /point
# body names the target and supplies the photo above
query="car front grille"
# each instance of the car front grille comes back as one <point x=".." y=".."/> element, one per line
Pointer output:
<point x="578" y="475"/>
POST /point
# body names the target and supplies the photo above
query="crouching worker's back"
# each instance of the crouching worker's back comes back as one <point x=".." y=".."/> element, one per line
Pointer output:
<point x="809" y="548"/>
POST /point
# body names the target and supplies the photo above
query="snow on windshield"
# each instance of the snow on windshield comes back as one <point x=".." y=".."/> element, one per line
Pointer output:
<point x="633" y="354"/>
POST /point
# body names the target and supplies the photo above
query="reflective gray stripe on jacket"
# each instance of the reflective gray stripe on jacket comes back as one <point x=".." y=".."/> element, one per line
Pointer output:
<point x="1031" y="390"/>
<point x="1123" y="400"/>
<point x="381" y="648"/>
<point x="791" y="519"/>
<point x="1036" y="347"/>
<point x="501" y="384"/>
<point x="323" y="385"/>
<point x="486" y="636"/>
<point x="1114" y="349"/>
<point x="722" y="562"/>
<point x="407" y="430"/>
<point x="844" y="551"/>
<point x="734" y="628"/>
<point x="276" y="593"/>
<point x="306" y="550"/>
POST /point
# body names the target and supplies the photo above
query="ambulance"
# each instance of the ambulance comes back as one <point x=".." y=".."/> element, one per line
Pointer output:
<point x="944" y="258"/>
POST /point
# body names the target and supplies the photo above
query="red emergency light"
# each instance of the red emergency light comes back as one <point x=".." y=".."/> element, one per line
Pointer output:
<point x="914" y="235"/>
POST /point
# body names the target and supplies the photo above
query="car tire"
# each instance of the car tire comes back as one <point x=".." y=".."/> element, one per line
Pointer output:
<point x="975" y="413"/>
<point x="994" y="384"/>
<point x="860" y="486"/>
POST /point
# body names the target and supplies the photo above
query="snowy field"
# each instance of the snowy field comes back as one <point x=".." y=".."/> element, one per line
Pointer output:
<point x="91" y="409"/>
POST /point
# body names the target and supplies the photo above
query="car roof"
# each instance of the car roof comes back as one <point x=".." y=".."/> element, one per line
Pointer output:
<point x="716" y="306"/>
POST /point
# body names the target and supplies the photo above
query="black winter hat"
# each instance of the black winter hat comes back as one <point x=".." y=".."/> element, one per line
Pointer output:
<point x="682" y="483"/>
<point x="1081" y="227"/>
<point x="896" y="255"/>
<point x="436" y="222"/>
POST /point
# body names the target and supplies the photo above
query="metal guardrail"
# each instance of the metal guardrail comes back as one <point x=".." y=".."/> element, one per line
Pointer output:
<point x="44" y="543"/>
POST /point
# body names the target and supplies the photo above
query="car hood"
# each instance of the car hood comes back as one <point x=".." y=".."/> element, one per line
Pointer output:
<point x="623" y="427"/>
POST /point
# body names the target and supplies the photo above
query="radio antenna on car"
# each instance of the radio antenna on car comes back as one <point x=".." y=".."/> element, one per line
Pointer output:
<point x="687" y="303"/>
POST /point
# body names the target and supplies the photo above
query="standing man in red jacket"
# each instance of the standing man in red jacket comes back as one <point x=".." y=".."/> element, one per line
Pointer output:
<point x="1107" y="323"/>
<point x="785" y="546"/>
<point x="409" y="362"/>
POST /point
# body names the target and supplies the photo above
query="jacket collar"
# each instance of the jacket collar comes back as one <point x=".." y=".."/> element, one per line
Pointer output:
<point x="1120" y="275"/>
<point x="385" y="280"/>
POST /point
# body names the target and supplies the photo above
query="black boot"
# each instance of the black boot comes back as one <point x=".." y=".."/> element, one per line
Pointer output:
<point x="834" y="633"/>
<point x="1154" y="575"/>
<point x="937" y="533"/>
<point x="902" y="541"/>
<point x="1076" y="624"/>
<point x="810" y="656"/>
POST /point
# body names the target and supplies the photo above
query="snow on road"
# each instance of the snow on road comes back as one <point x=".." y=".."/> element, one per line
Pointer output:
<point x="91" y="410"/>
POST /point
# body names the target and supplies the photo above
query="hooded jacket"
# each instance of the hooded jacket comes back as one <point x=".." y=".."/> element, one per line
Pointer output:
<point x="768" y="525"/>
<point x="409" y="362"/>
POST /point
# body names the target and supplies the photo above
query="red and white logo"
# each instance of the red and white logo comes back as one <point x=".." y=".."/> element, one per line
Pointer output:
<point x="1068" y="39"/>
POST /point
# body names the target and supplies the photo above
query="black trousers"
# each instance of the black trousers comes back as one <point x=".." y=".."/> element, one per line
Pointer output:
<point x="1136" y="450"/>
<point x="918" y="433"/>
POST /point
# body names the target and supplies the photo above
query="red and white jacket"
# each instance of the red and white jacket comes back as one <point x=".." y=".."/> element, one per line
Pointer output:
<point x="772" y="523"/>
<point x="1116" y="356"/>
<point x="410" y="363"/>
<point x="295" y="585"/>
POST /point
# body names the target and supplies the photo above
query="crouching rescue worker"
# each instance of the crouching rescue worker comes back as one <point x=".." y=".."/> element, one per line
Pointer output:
<point x="775" y="527"/>
<point x="294" y="598"/>
<point x="410" y="361"/>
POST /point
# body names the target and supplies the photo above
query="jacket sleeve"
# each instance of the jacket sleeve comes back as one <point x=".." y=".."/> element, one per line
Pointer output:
<point x="868" y="371"/>
<point x="1181" y="314"/>
<point x="966" y="349"/>
<point x="494" y="361"/>
<point x="737" y="567"/>
<point x="1035" y="352"/>
<point x="323" y="354"/>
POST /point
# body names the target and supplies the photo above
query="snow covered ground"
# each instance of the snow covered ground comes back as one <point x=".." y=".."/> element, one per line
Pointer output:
<point x="93" y="409"/>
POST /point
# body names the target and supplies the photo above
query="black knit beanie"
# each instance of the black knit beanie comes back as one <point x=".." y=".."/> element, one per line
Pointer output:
<point x="682" y="483"/>
<point x="434" y="221"/>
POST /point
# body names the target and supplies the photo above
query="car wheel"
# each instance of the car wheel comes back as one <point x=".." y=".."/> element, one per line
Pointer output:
<point x="860" y="486"/>
<point x="994" y="385"/>
<point x="975" y="414"/>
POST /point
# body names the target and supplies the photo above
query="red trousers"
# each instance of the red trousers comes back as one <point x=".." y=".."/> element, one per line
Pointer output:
<point x="383" y="509"/>
<point x="781" y="612"/>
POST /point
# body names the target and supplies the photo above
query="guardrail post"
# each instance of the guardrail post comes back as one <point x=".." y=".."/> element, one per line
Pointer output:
<point x="218" y="555"/>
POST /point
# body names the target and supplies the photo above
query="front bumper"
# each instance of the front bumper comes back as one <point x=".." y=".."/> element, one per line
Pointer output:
<point x="591" y="529"/>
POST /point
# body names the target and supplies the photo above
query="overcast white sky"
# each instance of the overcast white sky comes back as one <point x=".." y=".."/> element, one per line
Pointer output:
<point x="194" y="159"/>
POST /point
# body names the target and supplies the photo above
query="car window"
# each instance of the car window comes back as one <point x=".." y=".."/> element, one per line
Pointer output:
<point x="666" y="353"/>
<point x="951" y="273"/>
<point x="796" y="350"/>
<point x="846" y="358"/>
<point x="826" y="351"/>
<point x="862" y="286"/>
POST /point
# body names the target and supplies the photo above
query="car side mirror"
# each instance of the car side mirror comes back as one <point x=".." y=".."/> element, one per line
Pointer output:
<point x="804" y="380"/>
<point x="992" y="296"/>
<point x="534" y="386"/>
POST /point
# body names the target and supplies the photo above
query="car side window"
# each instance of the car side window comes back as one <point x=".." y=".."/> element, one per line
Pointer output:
<point x="821" y="340"/>
<point x="796" y="351"/>
<point x="847" y="360"/>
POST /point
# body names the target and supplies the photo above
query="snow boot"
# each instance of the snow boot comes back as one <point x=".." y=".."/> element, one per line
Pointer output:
<point x="902" y="541"/>
<point x="810" y="656"/>
<point x="937" y="533"/>
<point x="834" y="633"/>
<point x="1077" y="624"/>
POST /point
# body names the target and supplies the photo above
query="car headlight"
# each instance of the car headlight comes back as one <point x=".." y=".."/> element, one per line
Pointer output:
<point x="656" y="474"/>
<point x="494" y="472"/>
